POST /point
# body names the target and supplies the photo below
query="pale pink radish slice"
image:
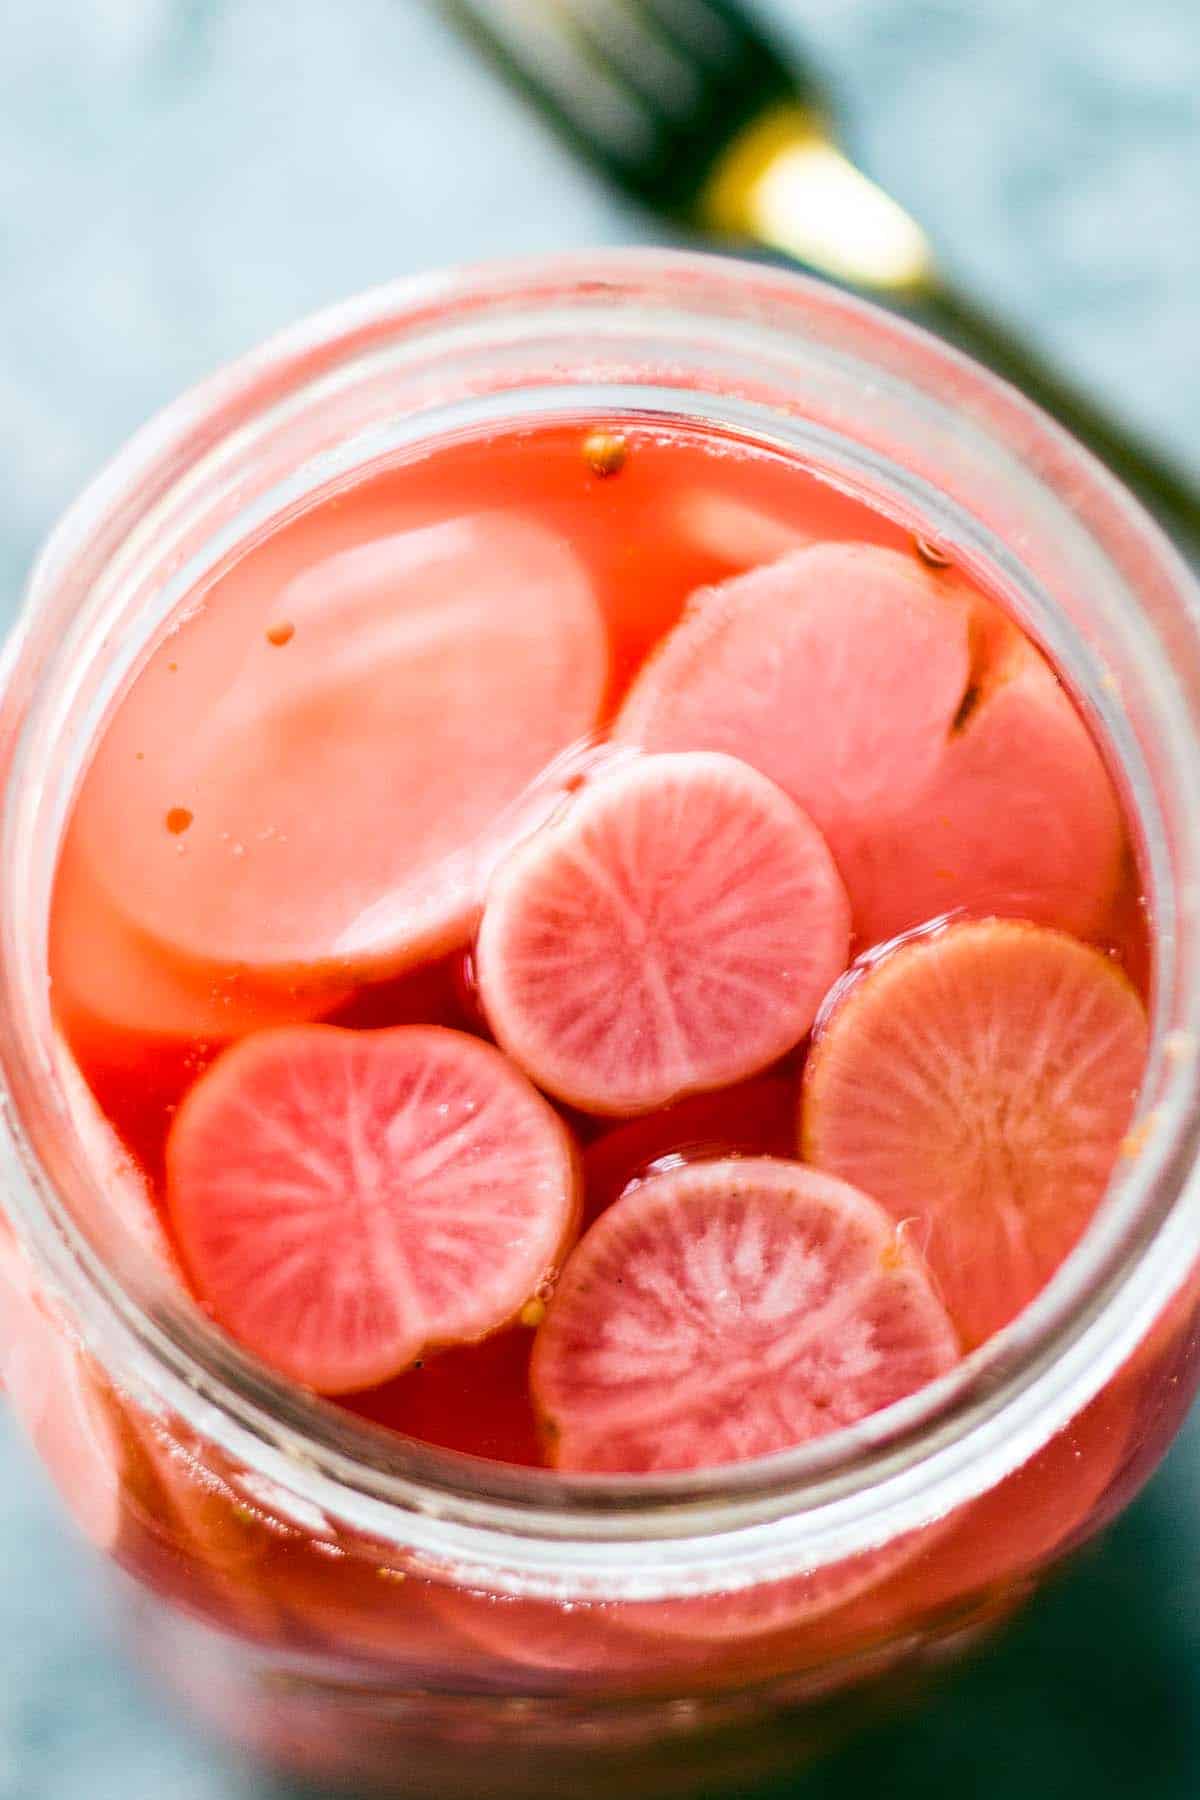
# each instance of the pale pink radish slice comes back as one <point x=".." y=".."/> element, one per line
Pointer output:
<point x="111" y="984"/>
<point x="727" y="1310"/>
<point x="221" y="1544"/>
<point x="654" y="1636"/>
<point x="674" y="930"/>
<point x="836" y="671"/>
<point x="318" y="778"/>
<point x="342" y="1199"/>
<point x="734" y="532"/>
<point x="1020" y="819"/>
<point x="926" y="737"/>
<point x="58" y="1400"/>
<point x="581" y="1638"/>
<point x="775" y="1606"/>
<point x="978" y="1082"/>
<point x="1002" y="1539"/>
<point x="366" y="1608"/>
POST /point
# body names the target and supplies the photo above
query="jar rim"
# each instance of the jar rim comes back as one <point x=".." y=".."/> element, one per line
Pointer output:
<point x="536" y="1528"/>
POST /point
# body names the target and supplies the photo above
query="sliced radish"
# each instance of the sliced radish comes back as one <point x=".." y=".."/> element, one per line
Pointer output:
<point x="586" y="1639"/>
<point x="674" y="930"/>
<point x="926" y="737"/>
<point x="330" y="800"/>
<point x="655" y="1637"/>
<point x="1020" y="820"/>
<point x="58" y="1399"/>
<point x="111" y="984"/>
<point x="1034" y="1514"/>
<point x="727" y="1310"/>
<point x="363" y="1607"/>
<point x="220" y="1545"/>
<point x="835" y="671"/>
<point x="342" y="1199"/>
<point x="776" y="1606"/>
<point x="978" y="1081"/>
<point x="732" y="531"/>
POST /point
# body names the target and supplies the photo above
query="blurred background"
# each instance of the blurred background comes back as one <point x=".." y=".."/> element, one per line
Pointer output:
<point x="179" y="178"/>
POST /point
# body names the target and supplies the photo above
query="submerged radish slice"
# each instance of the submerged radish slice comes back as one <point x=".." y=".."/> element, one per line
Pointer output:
<point x="835" y="671"/>
<point x="342" y="1199"/>
<point x="112" y="985"/>
<point x="978" y="1082"/>
<point x="729" y="1309"/>
<point x="675" y="930"/>
<point x="925" y="736"/>
<point x="593" y="1640"/>
<point x="1020" y="818"/>
<point x="316" y="778"/>
<point x="50" y="1386"/>
<point x="774" y="1606"/>
<point x="732" y="531"/>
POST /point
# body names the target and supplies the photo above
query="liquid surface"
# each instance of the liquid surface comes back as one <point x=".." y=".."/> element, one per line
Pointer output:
<point x="316" y="786"/>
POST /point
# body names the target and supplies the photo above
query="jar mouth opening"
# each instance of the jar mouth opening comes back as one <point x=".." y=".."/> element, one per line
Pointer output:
<point x="916" y="1459"/>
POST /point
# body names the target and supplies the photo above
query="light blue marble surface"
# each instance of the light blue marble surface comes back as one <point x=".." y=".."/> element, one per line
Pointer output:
<point x="180" y="177"/>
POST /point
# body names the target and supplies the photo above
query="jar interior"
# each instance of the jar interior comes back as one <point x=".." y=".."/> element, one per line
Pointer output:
<point x="111" y="585"/>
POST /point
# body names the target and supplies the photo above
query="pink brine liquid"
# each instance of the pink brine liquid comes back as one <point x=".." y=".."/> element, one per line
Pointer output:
<point x="594" y="948"/>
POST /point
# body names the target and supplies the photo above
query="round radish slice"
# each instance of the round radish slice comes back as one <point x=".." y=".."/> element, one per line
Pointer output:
<point x="836" y="671"/>
<point x="583" y="1638"/>
<point x="359" y="1607"/>
<point x="605" y="1638"/>
<point x="733" y="532"/>
<point x="1020" y="819"/>
<point x="220" y="1545"/>
<point x="1032" y="1515"/>
<point x="111" y="984"/>
<point x="728" y="1310"/>
<point x="775" y="1606"/>
<point x="342" y="1199"/>
<point x="926" y="737"/>
<point x="317" y="778"/>
<point x="675" y="930"/>
<point x="978" y="1081"/>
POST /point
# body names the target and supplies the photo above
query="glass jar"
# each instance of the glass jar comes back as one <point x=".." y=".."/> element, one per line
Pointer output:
<point x="358" y="1606"/>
